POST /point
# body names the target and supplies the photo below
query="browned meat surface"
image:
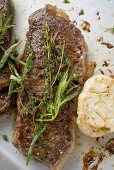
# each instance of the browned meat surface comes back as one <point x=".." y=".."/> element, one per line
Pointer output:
<point x="7" y="105"/>
<point x="58" y="140"/>
<point x="6" y="10"/>
<point x="4" y="101"/>
<point x="4" y="77"/>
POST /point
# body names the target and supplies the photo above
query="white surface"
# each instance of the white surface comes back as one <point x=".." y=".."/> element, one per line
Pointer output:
<point x="10" y="158"/>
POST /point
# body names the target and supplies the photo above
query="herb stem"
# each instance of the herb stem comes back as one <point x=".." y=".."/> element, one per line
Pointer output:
<point x="72" y="88"/>
<point x="28" y="63"/>
<point x="5" y="26"/>
<point x="17" y="60"/>
<point x="63" y="49"/>
<point x="39" y="131"/>
<point x="7" y="54"/>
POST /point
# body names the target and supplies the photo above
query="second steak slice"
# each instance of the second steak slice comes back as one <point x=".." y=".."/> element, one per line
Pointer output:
<point x="58" y="140"/>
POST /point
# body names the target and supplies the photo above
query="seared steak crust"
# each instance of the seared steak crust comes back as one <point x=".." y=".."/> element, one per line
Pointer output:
<point x="58" y="140"/>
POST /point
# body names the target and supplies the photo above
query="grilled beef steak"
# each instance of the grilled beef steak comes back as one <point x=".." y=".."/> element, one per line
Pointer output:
<point x="58" y="141"/>
<point x="6" y="11"/>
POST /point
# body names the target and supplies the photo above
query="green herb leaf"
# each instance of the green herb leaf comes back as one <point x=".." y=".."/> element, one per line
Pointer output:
<point x="64" y="82"/>
<point x="16" y="60"/>
<point x="4" y="137"/>
<point x="61" y="97"/>
<point x="18" y="90"/>
<point x="7" y="54"/>
<point x="72" y="95"/>
<point x="16" y="80"/>
<point x="32" y="99"/>
<point x="37" y="135"/>
<point x="11" y="88"/>
<point x="28" y="64"/>
<point x="6" y="26"/>
<point x="66" y="1"/>
<point x="19" y="81"/>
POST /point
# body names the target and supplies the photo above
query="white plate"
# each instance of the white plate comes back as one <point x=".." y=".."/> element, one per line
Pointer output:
<point x="10" y="158"/>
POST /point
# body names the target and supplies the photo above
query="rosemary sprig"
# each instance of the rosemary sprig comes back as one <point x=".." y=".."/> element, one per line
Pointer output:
<point x="5" y="26"/>
<point x="7" y="55"/>
<point x="28" y="64"/>
<point x="11" y="88"/>
<point x="17" y="80"/>
<point x="37" y="135"/>
<point x="56" y="96"/>
<point x="17" y="61"/>
<point x="61" y="97"/>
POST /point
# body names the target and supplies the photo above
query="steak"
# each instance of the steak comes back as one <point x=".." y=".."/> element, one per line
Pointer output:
<point x="6" y="11"/>
<point x="58" y="141"/>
